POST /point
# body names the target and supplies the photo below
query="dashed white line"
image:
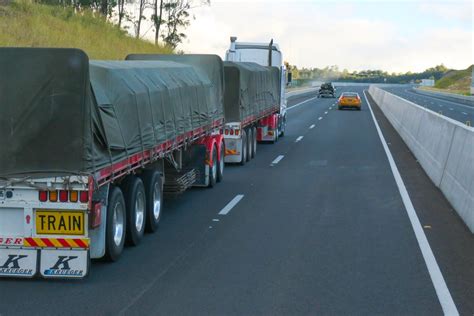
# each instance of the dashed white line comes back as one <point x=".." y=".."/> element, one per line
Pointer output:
<point x="326" y="112"/>
<point x="215" y="220"/>
<point x="464" y="113"/>
<point x="299" y="139"/>
<point x="320" y="118"/>
<point x="312" y="126"/>
<point x="301" y="103"/>
<point x="277" y="159"/>
<point x="451" y="109"/>
<point x="442" y="291"/>
<point x="231" y="204"/>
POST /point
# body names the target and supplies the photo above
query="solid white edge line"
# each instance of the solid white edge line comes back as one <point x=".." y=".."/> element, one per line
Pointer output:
<point x="301" y="103"/>
<point x="298" y="139"/>
<point x="277" y="159"/>
<point x="231" y="204"/>
<point x="442" y="291"/>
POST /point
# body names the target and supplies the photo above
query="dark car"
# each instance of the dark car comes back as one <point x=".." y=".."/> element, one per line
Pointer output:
<point x="327" y="90"/>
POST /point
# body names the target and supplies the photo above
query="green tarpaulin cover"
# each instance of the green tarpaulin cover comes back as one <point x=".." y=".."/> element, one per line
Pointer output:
<point x="250" y="89"/>
<point x="60" y="113"/>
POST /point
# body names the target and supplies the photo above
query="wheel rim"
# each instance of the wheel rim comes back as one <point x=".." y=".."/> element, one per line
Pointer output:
<point x="156" y="201"/>
<point x="214" y="168"/>
<point x="118" y="221"/>
<point x="139" y="211"/>
<point x="221" y="165"/>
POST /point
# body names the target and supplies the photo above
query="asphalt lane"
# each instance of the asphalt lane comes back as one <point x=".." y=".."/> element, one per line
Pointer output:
<point x="450" y="108"/>
<point x="323" y="230"/>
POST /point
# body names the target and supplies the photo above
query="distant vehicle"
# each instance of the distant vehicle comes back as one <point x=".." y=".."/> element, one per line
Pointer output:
<point x="349" y="100"/>
<point x="327" y="90"/>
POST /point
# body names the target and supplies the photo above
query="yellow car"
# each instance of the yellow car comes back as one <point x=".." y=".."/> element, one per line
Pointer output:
<point x="349" y="100"/>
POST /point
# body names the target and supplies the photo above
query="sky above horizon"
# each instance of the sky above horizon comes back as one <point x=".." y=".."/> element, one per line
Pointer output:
<point x="395" y="36"/>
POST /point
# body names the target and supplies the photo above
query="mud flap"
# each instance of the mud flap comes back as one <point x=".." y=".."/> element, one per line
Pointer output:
<point x="18" y="262"/>
<point x="64" y="263"/>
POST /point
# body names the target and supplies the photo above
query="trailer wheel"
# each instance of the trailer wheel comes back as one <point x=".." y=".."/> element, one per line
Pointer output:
<point x="213" y="169"/>
<point x="249" y="144"/>
<point x="116" y="224"/>
<point x="154" y="199"/>
<point x="244" y="148"/>
<point x="254" y="142"/>
<point x="135" y="201"/>
<point x="221" y="164"/>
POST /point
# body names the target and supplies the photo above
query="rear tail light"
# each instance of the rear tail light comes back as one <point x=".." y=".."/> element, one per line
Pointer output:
<point x="84" y="196"/>
<point x="53" y="196"/>
<point x="73" y="196"/>
<point x="226" y="132"/>
<point x="237" y="132"/>
<point x="63" y="196"/>
<point x="43" y="196"/>
<point x="231" y="132"/>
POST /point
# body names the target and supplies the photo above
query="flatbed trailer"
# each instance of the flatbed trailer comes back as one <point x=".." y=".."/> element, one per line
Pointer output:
<point x="66" y="199"/>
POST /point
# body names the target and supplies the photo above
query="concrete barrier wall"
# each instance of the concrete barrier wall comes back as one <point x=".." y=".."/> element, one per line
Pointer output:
<point x="443" y="147"/>
<point x="464" y="99"/>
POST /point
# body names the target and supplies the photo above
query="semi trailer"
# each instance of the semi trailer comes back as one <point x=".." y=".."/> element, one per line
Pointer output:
<point x="89" y="148"/>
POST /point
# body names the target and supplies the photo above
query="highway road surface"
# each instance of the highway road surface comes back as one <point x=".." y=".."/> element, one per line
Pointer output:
<point x="315" y="224"/>
<point x="450" y="108"/>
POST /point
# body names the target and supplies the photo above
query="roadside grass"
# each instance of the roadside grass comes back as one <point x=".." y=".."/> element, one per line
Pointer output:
<point x="454" y="81"/>
<point x="27" y="24"/>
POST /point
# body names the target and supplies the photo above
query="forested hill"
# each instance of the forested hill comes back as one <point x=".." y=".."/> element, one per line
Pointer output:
<point x="24" y="23"/>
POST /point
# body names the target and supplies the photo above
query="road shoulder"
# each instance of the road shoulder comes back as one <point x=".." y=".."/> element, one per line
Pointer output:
<point x="450" y="239"/>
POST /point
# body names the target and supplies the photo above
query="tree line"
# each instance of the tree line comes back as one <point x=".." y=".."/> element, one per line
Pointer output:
<point x="333" y="73"/>
<point x="168" y="18"/>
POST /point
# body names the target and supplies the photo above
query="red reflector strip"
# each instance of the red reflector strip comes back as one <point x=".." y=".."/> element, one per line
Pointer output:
<point x="63" y="242"/>
<point x="47" y="242"/>
<point x="80" y="243"/>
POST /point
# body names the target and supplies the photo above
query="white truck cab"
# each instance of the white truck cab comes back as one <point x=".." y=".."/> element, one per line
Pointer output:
<point x="265" y="54"/>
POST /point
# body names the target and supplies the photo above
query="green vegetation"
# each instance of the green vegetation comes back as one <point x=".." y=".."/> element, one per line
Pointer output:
<point x="28" y="24"/>
<point x="333" y="73"/>
<point x="456" y="81"/>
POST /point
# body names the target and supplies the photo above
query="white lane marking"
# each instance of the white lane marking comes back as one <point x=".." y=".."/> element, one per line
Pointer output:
<point x="326" y="112"/>
<point x="312" y="126"/>
<point x="464" y="113"/>
<point x="320" y="118"/>
<point x="301" y="103"/>
<point x="277" y="160"/>
<point x="215" y="220"/>
<point x="299" y="139"/>
<point x="441" y="105"/>
<point x="451" y="109"/>
<point x="442" y="291"/>
<point x="231" y="204"/>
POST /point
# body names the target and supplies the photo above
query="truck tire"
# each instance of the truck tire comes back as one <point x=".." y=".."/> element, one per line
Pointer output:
<point x="254" y="143"/>
<point x="135" y="202"/>
<point x="221" y="164"/>
<point x="244" y="148"/>
<point x="213" y="168"/>
<point x="249" y="144"/>
<point x="115" y="224"/>
<point x="154" y="199"/>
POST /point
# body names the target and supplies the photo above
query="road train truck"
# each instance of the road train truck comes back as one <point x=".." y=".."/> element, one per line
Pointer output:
<point x="88" y="148"/>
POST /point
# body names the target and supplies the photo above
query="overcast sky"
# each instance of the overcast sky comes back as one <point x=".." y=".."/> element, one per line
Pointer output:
<point x="396" y="36"/>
